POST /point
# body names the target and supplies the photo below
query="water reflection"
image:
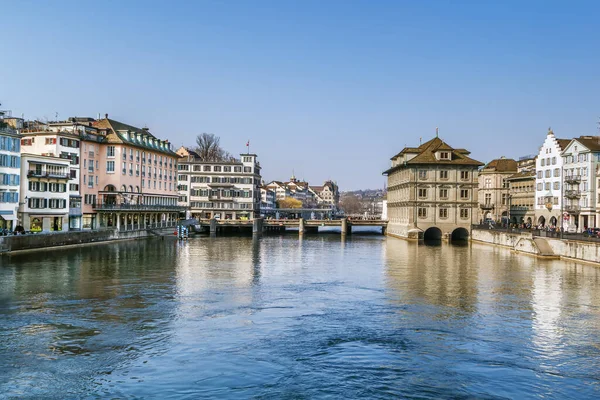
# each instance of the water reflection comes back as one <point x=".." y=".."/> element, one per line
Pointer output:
<point x="297" y="316"/>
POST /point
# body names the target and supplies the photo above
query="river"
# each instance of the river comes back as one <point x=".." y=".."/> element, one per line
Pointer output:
<point x="283" y="317"/>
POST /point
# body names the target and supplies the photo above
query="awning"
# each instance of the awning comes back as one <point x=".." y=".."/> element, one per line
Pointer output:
<point x="8" y="217"/>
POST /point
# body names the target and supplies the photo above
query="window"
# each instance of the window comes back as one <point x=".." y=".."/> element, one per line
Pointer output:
<point x="110" y="166"/>
<point x="464" y="213"/>
<point x="540" y="174"/>
<point x="422" y="193"/>
<point x="464" y="175"/>
<point x="422" y="212"/>
<point x="27" y="142"/>
<point x="464" y="194"/>
<point x="548" y="173"/>
<point x="237" y="169"/>
<point x="444" y="155"/>
<point x="247" y="169"/>
<point x="443" y="174"/>
<point x="556" y="185"/>
<point x="556" y="172"/>
<point x="217" y="168"/>
<point x="543" y="162"/>
<point x="124" y="168"/>
<point x="422" y="174"/>
<point x="488" y="198"/>
<point x="443" y="213"/>
<point x="443" y="193"/>
<point x="547" y="186"/>
<point x="227" y="169"/>
<point x="206" y="168"/>
<point x="553" y="160"/>
<point x="182" y="177"/>
<point x="110" y="151"/>
<point x="50" y="140"/>
<point x="504" y="199"/>
<point x="73" y="187"/>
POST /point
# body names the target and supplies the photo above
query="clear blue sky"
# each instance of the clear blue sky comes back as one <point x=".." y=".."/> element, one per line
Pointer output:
<point x="329" y="89"/>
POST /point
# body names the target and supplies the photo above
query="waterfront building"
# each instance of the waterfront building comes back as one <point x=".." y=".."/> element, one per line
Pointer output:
<point x="10" y="174"/>
<point x="493" y="190"/>
<point x="59" y="139"/>
<point x="44" y="189"/>
<point x="521" y="188"/>
<point x="268" y="203"/>
<point x="327" y="195"/>
<point x="548" y="167"/>
<point x="432" y="191"/>
<point x="134" y="178"/>
<point x="222" y="190"/>
<point x="580" y="162"/>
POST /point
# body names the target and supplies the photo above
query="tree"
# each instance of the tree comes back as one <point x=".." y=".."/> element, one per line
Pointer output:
<point x="289" y="203"/>
<point x="208" y="147"/>
<point x="351" y="204"/>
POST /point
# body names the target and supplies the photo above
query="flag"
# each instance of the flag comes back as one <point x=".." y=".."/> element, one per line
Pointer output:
<point x="248" y="143"/>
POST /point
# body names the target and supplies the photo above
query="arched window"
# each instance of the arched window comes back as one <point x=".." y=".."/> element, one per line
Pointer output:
<point x="123" y="188"/>
<point x="131" y="188"/>
<point x="137" y="189"/>
<point x="110" y="188"/>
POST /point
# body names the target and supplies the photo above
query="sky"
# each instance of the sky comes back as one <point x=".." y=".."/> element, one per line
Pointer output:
<point x="324" y="89"/>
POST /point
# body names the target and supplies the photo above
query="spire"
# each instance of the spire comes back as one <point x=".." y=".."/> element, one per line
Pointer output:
<point x="550" y="132"/>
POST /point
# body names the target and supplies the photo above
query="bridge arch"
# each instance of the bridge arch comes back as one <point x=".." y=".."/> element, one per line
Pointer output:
<point x="433" y="233"/>
<point x="460" y="234"/>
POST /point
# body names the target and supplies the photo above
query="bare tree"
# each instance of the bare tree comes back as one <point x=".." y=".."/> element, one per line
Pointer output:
<point x="208" y="147"/>
<point x="351" y="204"/>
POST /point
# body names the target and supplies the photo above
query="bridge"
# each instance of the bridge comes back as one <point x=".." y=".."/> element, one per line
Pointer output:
<point x="260" y="225"/>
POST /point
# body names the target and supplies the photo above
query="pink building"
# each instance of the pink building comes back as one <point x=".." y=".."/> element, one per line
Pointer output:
<point x="128" y="178"/>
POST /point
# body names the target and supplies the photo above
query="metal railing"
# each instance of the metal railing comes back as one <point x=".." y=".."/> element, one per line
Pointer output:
<point x="137" y="207"/>
<point x="572" y="194"/>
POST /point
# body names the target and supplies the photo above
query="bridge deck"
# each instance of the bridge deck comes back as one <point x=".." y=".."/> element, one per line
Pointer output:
<point x="294" y="222"/>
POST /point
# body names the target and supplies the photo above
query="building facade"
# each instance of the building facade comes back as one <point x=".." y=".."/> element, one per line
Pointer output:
<point x="327" y="195"/>
<point x="268" y="202"/>
<point x="548" y="167"/>
<point x="221" y="190"/>
<point x="494" y="189"/>
<point x="133" y="184"/>
<point x="580" y="162"/>
<point x="432" y="192"/>
<point x="10" y="176"/>
<point x="62" y="140"/>
<point x="44" y="189"/>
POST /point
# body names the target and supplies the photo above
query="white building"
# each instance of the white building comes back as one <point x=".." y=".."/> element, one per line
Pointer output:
<point x="580" y="161"/>
<point x="45" y="204"/>
<point x="268" y="202"/>
<point x="10" y="173"/>
<point x="62" y="140"/>
<point x="222" y="190"/>
<point x="548" y="180"/>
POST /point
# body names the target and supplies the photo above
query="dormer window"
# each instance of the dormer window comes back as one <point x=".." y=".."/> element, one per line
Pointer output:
<point x="444" y="155"/>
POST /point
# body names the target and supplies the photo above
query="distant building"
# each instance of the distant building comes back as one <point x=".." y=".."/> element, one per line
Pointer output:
<point x="327" y="195"/>
<point x="494" y="189"/>
<point x="432" y="192"/>
<point x="580" y="163"/>
<point x="549" y="165"/>
<point x="268" y="202"/>
<point x="222" y="190"/>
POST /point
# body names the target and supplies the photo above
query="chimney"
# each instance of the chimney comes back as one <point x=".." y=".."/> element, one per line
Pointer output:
<point x="106" y="116"/>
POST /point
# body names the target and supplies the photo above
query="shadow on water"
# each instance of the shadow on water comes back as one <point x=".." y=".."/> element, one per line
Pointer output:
<point x="431" y="242"/>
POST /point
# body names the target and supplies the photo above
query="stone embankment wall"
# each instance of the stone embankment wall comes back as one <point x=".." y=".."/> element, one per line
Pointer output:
<point x="546" y="247"/>
<point x="59" y="239"/>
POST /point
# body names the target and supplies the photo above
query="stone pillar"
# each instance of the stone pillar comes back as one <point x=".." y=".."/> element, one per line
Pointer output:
<point x="301" y="226"/>
<point x="344" y="226"/>
<point x="257" y="226"/>
<point x="213" y="226"/>
<point x="118" y="222"/>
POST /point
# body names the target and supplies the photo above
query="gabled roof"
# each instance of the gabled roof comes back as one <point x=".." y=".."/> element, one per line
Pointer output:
<point x="563" y="143"/>
<point x="591" y="142"/>
<point x="522" y="175"/>
<point x="426" y="155"/>
<point x="116" y="132"/>
<point x="501" y="165"/>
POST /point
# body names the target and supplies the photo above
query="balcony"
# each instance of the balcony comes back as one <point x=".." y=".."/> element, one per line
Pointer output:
<point x="573" y="179"/>
<point x="43" y="174"/>
<point x="572" y="209"/>
<point x="572" y="194"/>
<point x="486" y="206"/>
<point x="136" y="207"/>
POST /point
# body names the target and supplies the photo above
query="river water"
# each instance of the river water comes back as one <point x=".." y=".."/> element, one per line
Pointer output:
<point x="283" y="317"/>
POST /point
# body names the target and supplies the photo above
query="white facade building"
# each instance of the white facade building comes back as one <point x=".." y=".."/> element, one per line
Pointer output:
<point x="62" y="140"/>
<point x="45" y="204"/>
<point x="10" y="175"/>
<point x="548" y="181"/>
<point x="268" y="202"/>
<point x="222" y="190"/>
<point x="580" y="160"/>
